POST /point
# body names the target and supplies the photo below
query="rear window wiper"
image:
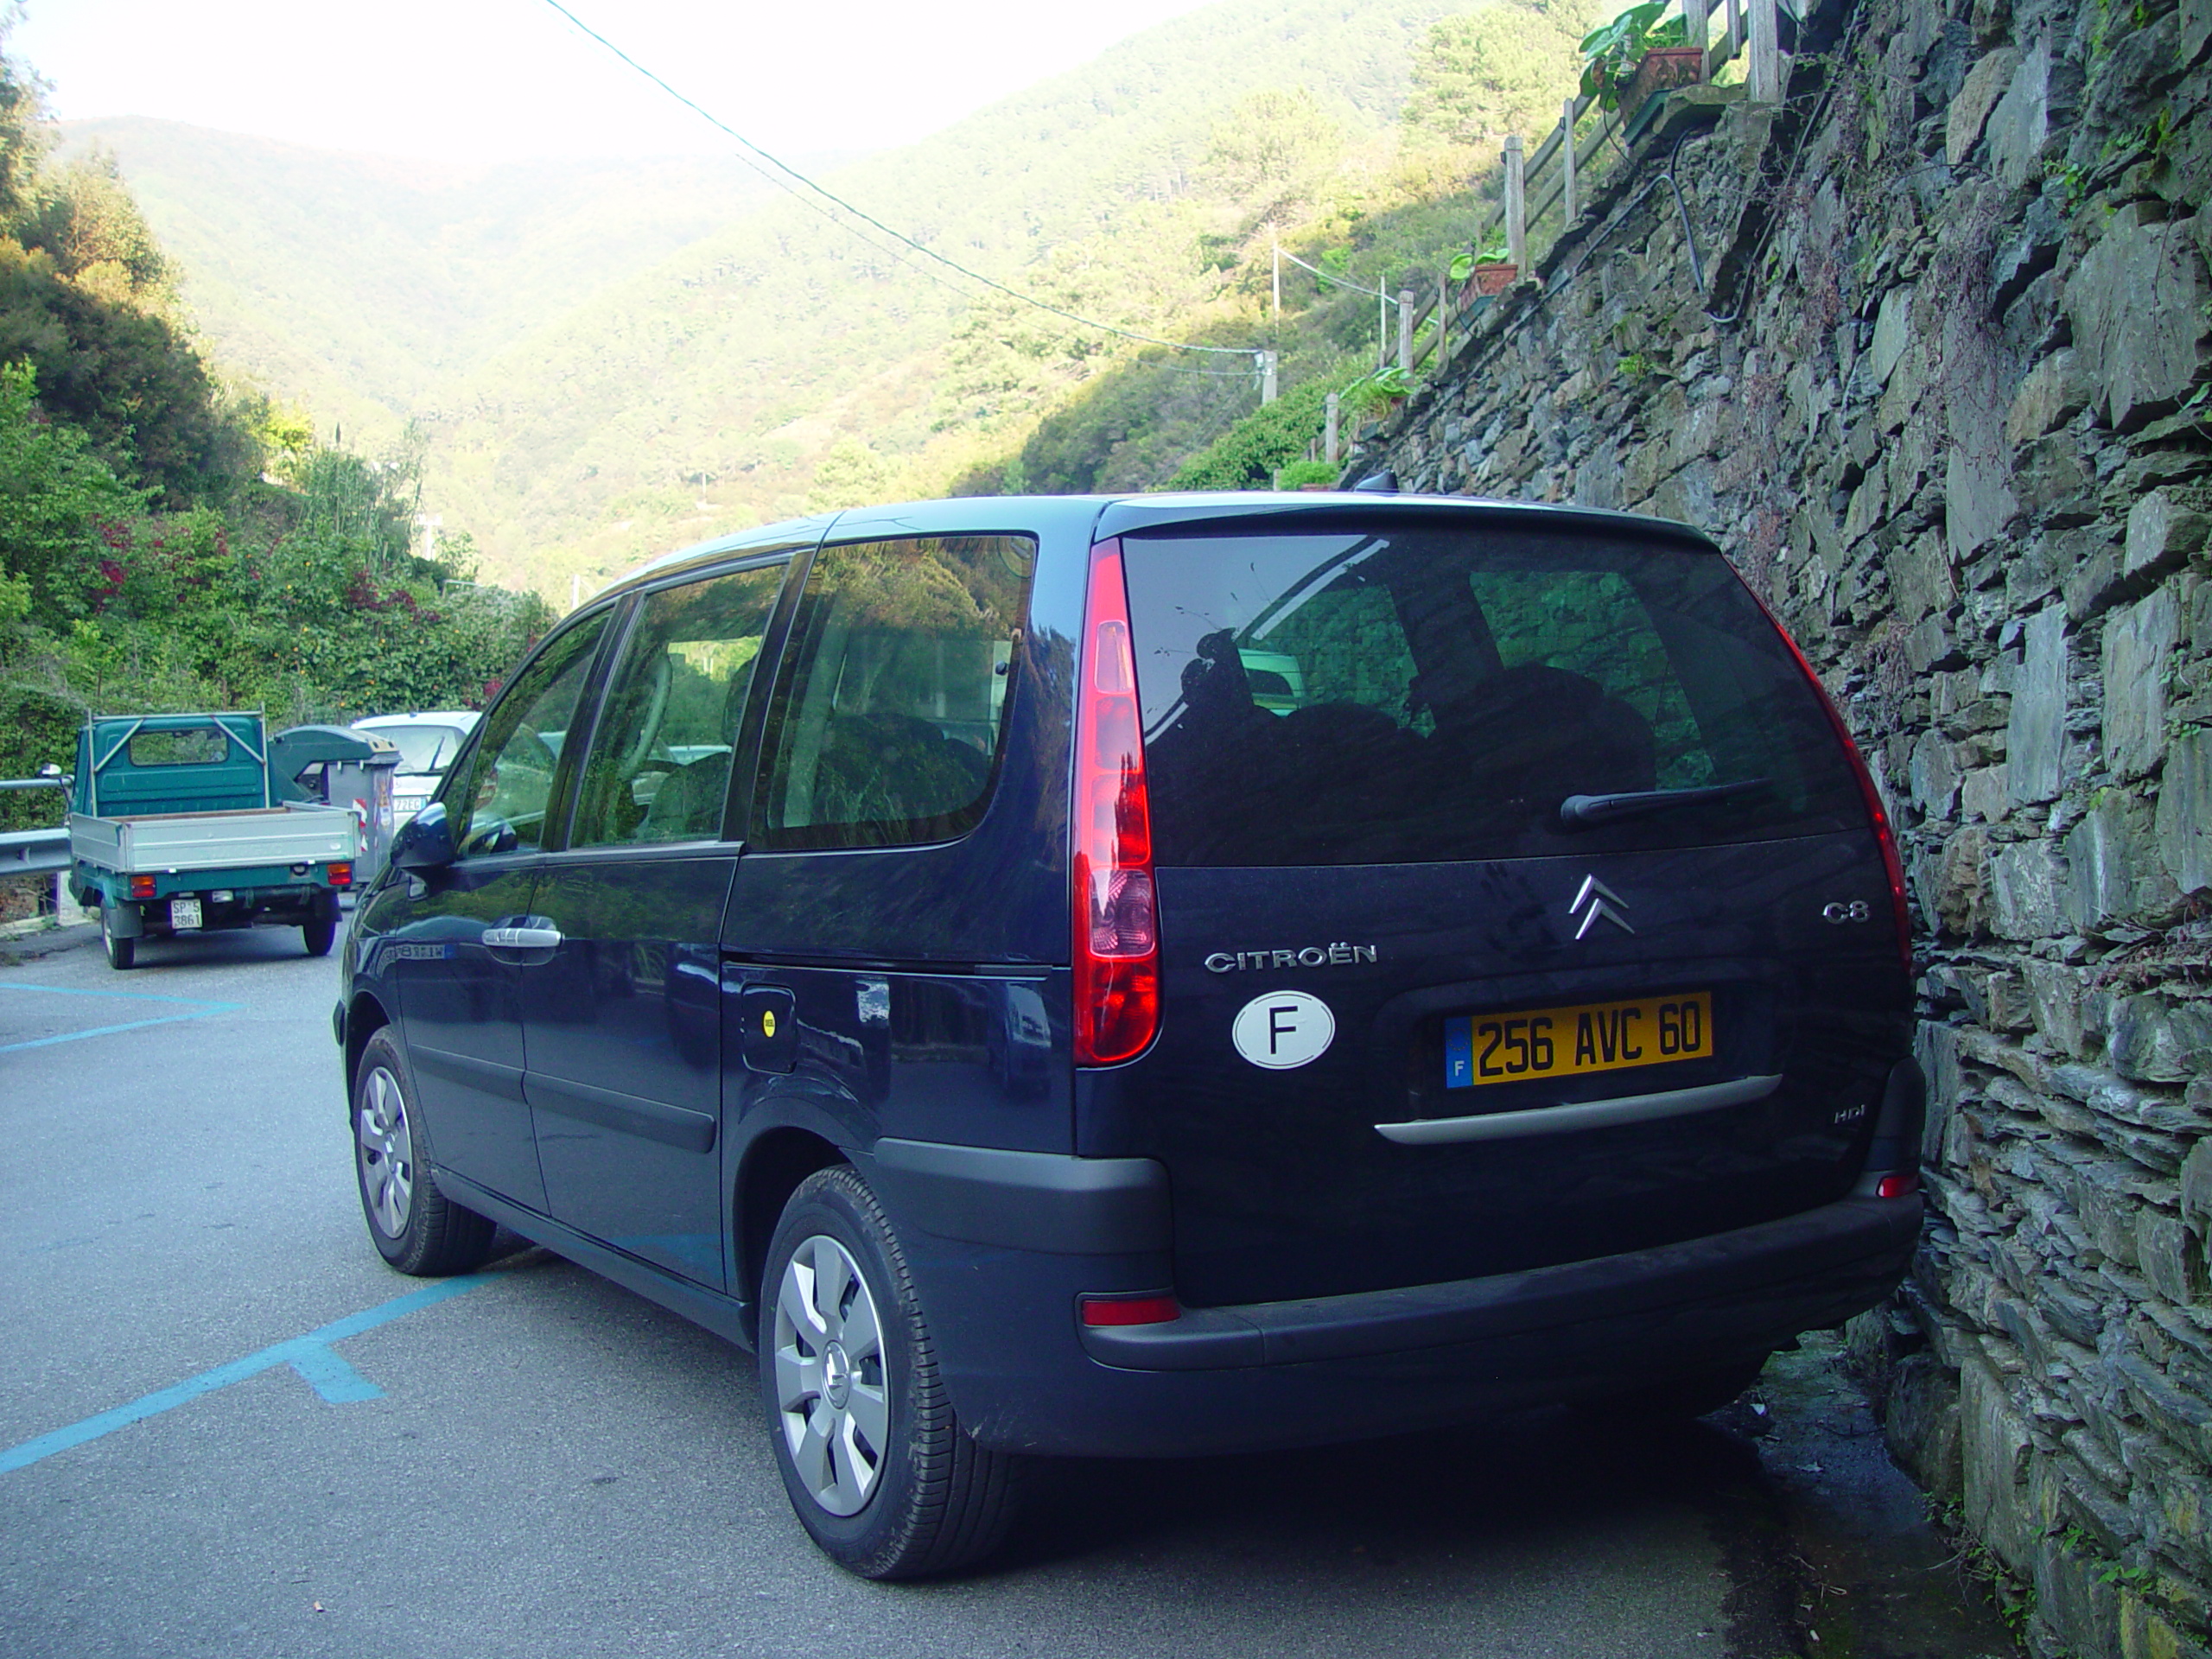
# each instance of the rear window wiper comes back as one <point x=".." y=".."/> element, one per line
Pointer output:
<point x="1587" y="811"/>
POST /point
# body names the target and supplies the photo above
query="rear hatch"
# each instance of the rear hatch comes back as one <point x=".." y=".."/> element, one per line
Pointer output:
<point x="1462" y="822"/>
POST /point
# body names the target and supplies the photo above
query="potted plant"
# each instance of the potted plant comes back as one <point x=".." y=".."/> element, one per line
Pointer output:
<point x="1485" y="270"/>
<point x="1639" y="54"/>
<point x="1378" y="393"/>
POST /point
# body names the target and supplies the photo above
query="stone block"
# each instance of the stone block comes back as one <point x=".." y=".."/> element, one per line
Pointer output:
<point x="2161" y="535"/>
<point x="2052" y="486"/>
<point x="2195" y="1179"/>
<point x="2137" y="299"/>
<point x="2053" y="393"/>
<point x="2171" y="1256"/>
<point x="1931" y="645"/>
<point x="2184" y="816"/>
<point x="2146" y="1632"/>
<point x="2158" y="1039"/>
<point x="2196" y="28"/>
<point x="1954" y="899"/>
<point x="2023" y="258"/>
<point x="1933" y="775"/>
<point x="1993" y="1455"/>
<point x="2027" y="882"/>
<point x="2020" y="126"/>
<point x="1892" y="333"/>
<point x="2035" y="735"/>
<point x="1923" y="1425"/>
<point x="1977" y="96"/>
<point x="2115" y="876"/>
<point x="2009" y="1008"/>
<point x="1984" y="794"/>
<point x="2055" y="993"/>
<point x="2138" y="641"/>
<point x="2095" y="584"/>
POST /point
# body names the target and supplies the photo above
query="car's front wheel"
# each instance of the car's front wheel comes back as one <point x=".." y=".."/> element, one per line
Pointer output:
<point x="415" y="1227"/>
<point x="882" y="1476"/>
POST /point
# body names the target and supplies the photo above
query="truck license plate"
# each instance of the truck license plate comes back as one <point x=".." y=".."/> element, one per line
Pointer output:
<point x="1568" y="1042"/>
<point x="184" y="913"/>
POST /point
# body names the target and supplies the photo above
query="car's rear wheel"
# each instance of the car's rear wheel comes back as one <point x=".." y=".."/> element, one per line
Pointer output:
<point x="415" y="1227"/>
<point x="882" y="1476"/>
<point x="121" y="952"/>
<point x="318" y="935"/>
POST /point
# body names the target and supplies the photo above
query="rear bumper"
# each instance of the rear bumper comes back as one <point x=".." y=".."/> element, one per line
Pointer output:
<point x="1025" y="1375"/>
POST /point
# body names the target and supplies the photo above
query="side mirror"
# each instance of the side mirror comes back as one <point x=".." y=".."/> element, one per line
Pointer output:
<point x="425" y="841"/>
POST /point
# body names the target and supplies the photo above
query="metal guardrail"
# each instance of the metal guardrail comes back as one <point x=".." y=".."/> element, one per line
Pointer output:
<point x="33" y="852"/>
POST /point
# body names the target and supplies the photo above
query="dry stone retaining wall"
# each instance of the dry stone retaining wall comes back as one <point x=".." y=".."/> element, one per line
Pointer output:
<point x="1935" y="377"/>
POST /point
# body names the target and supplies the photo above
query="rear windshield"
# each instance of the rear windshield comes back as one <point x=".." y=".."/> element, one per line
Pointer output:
<point x="1422" y="694"/>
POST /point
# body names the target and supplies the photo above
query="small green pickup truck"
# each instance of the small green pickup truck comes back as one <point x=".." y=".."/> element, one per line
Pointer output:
<point x="190" y="824"/>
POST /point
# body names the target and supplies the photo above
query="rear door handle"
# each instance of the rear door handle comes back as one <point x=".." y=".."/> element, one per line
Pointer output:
<point x="521" y="938"/>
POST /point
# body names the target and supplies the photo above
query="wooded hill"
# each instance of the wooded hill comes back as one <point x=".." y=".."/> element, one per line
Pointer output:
<point x="778" y="362"/>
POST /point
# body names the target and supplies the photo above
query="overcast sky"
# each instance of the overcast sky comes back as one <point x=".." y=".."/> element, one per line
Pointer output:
<point x="505" y="79"/>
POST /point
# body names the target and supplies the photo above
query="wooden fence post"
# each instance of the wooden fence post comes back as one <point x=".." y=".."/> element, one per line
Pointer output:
<point x="1694" y="32"/>
<point x="1443" y="351"/>
<point x="1516" y="206"/>
<point x="1406" y="330"/>
<point x="1735" y="27"/>
<point x="1329" y="432"/>
<point x="1567" y="160"/>
<point x="1267" y="377"/>
<point x="1766" y="53"/>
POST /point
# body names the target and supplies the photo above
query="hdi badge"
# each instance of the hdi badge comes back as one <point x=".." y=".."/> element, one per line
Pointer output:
<point x="1284" y="1029"/>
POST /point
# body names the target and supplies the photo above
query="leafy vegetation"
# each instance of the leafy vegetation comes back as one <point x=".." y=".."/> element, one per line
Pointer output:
<point x="165" y="544"/>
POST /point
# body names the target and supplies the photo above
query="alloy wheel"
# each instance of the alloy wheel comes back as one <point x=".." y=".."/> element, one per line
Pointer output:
<point x="831" y="1388"/>
<point x="385" y="1152"/>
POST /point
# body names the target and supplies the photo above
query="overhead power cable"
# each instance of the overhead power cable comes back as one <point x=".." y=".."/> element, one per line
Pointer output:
<point x="1340" y="282"/>
<point x="793" y="173"/>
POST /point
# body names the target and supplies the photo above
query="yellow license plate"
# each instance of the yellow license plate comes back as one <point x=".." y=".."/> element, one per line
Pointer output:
<point x="1572" y="1042"/>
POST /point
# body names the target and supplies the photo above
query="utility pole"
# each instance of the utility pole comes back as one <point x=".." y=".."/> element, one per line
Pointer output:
<point x="1329" y="433"/>
<point x="1267" y="376"/>
<point x="1276" y="243"/>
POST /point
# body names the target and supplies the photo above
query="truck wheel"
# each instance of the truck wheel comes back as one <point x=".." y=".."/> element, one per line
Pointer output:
<point x="317" y="934"/>
<point x="121" y="953"/>
<point x="883" y="1477"/>
<point x="415" y="1227"/>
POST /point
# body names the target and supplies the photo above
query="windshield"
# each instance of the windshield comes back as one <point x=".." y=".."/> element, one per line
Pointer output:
<point x="421" y="748"/>
<point x="1421" y="693"/>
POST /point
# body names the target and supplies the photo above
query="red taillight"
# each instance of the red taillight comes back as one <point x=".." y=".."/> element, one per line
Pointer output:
<point x="1897" y="1186"/>
<point x="1130" y="1310"/>
<point x="1116" y="920"/>
<point x="341" y="874"/>
<point x="142" y="886"/>
<point x="1893" y="867"/>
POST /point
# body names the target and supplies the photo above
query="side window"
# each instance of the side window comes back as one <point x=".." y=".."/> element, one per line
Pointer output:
<point x="499" y="807"/>
<point x="660" y="761"/>
<point x="888" y="718"/>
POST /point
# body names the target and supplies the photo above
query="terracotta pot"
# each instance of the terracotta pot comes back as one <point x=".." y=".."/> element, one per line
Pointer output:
<point x="1662" y="67"/>
<point x="1493" y="278"/>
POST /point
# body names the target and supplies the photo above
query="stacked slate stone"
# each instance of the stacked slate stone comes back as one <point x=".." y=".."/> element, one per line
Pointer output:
<point x="1944" y="397"/>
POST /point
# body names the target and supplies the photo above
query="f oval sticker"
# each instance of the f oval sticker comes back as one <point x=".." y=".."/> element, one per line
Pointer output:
<point x="1284" y="1029"/>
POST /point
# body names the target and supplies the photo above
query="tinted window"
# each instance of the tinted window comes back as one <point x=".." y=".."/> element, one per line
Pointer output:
<point x="886" y="724"/>
<point x="421" y="748"/>
<point x="1432" y="694"/>
<point x="499" y="807"/>
<point x="660" y="759"/>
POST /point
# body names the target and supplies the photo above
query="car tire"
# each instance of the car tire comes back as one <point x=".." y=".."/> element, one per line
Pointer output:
<point x="881" y="1475"/>
<point x="415" y="1226"/>
<point x="319" y="934"/>
<point x="1680" y="1398"/>
<point x="121" y="953"/>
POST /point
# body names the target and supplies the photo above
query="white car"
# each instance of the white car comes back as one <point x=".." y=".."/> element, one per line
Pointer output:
<point x="427" y="744"/>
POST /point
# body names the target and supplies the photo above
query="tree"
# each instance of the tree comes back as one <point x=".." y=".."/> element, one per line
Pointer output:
<point x="1480" y="75"/>
<point x="1270" y="141"/>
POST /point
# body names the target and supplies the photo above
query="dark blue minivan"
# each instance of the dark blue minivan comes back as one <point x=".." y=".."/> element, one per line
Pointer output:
<point x="1156" y="976"/>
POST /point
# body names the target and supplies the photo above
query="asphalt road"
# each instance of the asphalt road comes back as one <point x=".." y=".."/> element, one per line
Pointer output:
<point x="227" y="1429"/>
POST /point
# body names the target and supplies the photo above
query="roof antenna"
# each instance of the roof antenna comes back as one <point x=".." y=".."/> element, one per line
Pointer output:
<point x="1383" y="483"/>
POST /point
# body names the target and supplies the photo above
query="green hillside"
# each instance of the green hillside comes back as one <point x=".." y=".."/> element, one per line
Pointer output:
<point x="605" y="364"/>
<point x="363" y="286"/>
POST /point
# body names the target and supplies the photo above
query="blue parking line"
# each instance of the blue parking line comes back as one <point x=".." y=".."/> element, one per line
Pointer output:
<point x="310" y="1355"/>
<point x="201" y="1008"/>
